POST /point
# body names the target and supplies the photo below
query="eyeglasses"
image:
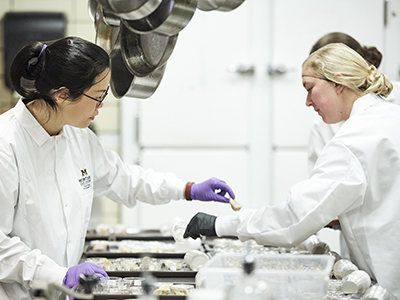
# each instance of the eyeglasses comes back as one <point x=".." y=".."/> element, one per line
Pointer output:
<point x="102" y="97"/>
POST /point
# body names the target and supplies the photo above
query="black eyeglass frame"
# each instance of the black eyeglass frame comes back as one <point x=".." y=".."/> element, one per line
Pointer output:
<point x="103" y="96"/>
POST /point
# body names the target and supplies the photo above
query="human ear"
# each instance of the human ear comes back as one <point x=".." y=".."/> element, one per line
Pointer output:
<point x="339" y="88"/>
<point x="62" y="94"/>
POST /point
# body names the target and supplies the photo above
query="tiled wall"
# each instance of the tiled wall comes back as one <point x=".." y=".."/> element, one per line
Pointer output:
<point x="107" y="123"/>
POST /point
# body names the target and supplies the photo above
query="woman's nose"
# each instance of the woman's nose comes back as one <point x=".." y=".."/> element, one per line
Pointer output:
<point x="308" y="101"/>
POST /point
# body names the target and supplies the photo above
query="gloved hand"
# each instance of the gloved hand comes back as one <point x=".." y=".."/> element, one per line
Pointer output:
<point x="71" y="279"/>
<point x="201" y="224"/>
<point x="206" y="191"/>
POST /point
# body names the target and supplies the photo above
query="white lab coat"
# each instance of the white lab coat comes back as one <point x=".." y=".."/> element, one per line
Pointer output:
<point x="47" y="184"/>
<point x="357" y="178"/>
<point x="321" y="133"/>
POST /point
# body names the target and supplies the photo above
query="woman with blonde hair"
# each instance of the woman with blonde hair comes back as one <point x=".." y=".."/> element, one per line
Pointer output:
<point x="347" y="70"/>
<point x="355" y="177"/>
<point x="321" y="132"/>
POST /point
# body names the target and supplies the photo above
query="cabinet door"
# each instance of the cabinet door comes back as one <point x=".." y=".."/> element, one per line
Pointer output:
<point x="200" y="102"/>
<point x="391" y="60"/>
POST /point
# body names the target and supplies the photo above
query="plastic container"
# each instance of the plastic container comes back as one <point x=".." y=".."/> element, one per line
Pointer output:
<point x="297" y="277"/>
<point x="133" y="281"/>
<point x="201" y="294"/>
<point x="250" y="287"/>
<point x="110" y="285"/>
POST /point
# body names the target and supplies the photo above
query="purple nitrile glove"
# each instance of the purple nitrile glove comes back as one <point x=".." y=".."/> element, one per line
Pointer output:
<point x="206" y="191"/>
<point x="71" y="279"/>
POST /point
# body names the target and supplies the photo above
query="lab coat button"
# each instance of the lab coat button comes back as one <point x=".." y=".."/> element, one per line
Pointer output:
<point x="66" y="204"/>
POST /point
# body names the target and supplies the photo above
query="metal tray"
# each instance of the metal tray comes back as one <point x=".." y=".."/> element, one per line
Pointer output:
<point x="133" y="255"/>
<point x="141" y="248"/>
<point x="146" y="235"/>
<point x="171" y="275"/>
<point x="112" y="297"/>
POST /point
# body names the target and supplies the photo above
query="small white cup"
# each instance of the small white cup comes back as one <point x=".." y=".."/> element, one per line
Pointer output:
<point x="314" y="246"/>
<point x="343" y="267"/>
<point x="195" y="259"/>
<point x="376" y="292"/>
<point x="178" y="231"/>
<point x="357" y="282"/>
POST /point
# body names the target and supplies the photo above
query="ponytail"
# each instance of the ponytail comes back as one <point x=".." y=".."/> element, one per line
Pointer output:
<point x="39" y="69"/>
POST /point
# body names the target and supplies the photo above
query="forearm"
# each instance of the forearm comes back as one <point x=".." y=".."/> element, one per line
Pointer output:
<point x="127" y="184"/>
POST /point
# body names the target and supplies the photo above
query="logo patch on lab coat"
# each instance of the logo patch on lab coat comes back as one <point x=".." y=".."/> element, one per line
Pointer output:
<point x="86" y="180"/>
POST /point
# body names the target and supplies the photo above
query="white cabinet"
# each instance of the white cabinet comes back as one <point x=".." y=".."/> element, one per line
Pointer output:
<point x="200" y="103"/>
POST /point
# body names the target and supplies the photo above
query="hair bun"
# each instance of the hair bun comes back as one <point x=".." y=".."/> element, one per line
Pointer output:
<point x="33" y="62"/>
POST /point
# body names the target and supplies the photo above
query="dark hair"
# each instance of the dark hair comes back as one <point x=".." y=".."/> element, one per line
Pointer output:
<point x="370" y="54"/>
<point x="69" y="62"/>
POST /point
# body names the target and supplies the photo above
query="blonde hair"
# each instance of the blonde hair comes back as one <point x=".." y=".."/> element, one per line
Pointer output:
<point x="340" y="64"/>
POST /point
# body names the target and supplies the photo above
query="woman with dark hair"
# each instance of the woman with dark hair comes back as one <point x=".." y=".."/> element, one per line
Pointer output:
<point x="370" y="54"/>
<point x="52" y="166"/>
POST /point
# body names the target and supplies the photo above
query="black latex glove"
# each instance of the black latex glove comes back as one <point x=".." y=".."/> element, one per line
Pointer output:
<point x="201" y="224"/>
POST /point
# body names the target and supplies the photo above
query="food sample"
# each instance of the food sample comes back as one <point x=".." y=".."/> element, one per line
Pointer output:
<point x="234" y="204"/>
<point x="100" y="246"/>
<point x="131" y="246"/>
<point x="162" y="290"/>
<point x="139" y="264"/>
<point x="181" y="289"/>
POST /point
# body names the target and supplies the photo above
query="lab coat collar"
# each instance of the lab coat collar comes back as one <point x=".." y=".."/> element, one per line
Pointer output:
<point x="31" y="125"/>
<point x="364" y="102"/>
